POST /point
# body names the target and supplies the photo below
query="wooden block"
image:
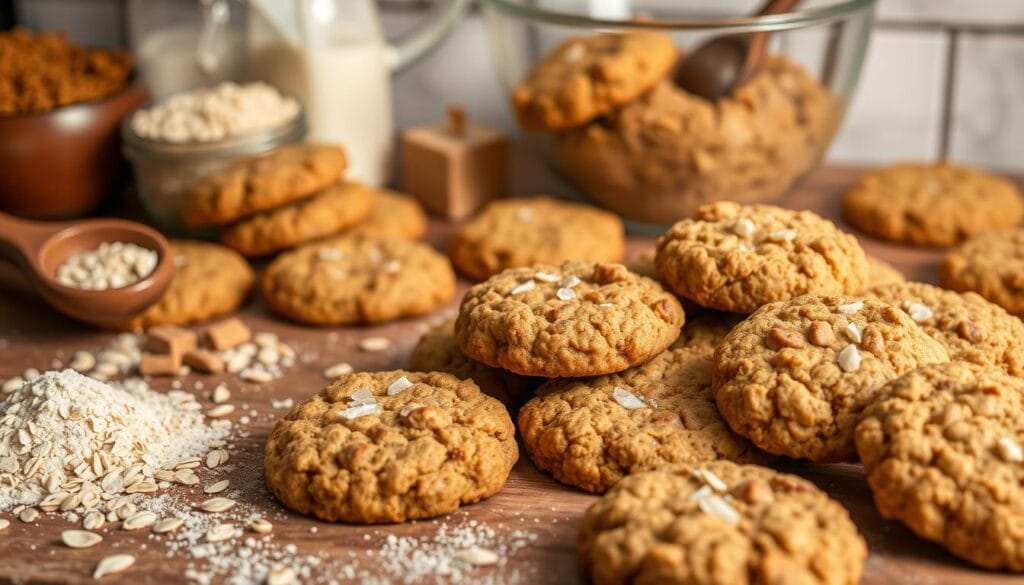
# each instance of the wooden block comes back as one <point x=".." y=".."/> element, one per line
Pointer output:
<point x="167" y="339"/>
<point x="203" y="361"/>
<point x="455" y="167"/>
<point x="227" y="334"/>
<point x="153" y="364"/>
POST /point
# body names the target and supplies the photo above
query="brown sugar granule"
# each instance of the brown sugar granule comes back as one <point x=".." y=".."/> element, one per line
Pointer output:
<point x="43" y="72"/>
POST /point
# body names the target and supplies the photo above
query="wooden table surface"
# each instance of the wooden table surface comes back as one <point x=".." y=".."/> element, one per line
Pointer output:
<point x="32" y="336"/>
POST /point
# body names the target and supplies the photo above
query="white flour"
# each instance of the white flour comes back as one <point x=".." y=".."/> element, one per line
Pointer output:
<point x="64" y="430"/>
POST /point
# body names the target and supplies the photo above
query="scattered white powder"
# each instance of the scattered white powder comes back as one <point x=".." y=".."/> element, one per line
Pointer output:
<point x="64" y="428"/>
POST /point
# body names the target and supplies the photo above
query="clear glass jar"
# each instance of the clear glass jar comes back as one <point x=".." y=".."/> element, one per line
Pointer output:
<point x="165" y="171"/>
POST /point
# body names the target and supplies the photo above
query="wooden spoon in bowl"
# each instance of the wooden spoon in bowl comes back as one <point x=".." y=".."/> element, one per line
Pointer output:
<point x="39" y="249"/>
<point x="722" y="64"/>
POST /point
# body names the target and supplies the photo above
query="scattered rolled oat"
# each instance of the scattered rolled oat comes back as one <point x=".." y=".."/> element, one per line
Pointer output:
<point x="849" y="358"/>
<point x="338" y="370"/>
<point x="261" y="526"/>
<point x="853" y="332"/>
<point x="93" y="521"/>
<point x="217" y="487"/>
<point x="919" y="312"/>
<point x="714" y="505"/>
<point x="627" y="399"/>
<point x="565" y="294"/>
<point x="372" y="344"/>
<point x="220" y="394"/>
<point x="166" y="525"/>
<point x="220" y="532"/>
<point x="28" y="515"/>
<point x="477" y="556"/>
<point x="354" y="412"/>
<point x="851" y="308"/>
<point x="710" y="479"/>
<point x="547" y="277"/>
<point x="1010" y="450"/>
<point x="80" y="538"/>
<point x="216" y="505"/>
<point x="221" y="410"/>
<point x="112" y="564"/>
<point x="398" y="386"/>
<point x="744" y="227"/>
<point x="280" y="575"/>
<point x="139" y="520"/>
<point x="111" y="265"/>
<point x="782" y="235"/>
<point x="524" y="287"/>
<point x="4" y="523"/>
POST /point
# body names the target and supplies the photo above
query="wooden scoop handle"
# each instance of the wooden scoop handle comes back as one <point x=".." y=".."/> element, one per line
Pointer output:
<point x="21" y="239"/>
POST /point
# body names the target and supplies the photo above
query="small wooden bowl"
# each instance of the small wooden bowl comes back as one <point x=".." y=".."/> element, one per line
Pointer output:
<point x="63" y="163"/>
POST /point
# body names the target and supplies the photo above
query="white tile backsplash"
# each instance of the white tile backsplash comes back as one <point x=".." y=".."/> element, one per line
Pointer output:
<point x="988" y="117"/>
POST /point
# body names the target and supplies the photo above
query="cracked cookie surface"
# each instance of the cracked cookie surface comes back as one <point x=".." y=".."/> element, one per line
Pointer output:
<point x="592" y="432"/>
<point x="942" y="451"/>
<point x="514" y="233"/>
<point x="719" y="523"/>
<point x="357" y="280"/>
<point x="991" y="265"/>
<point x="736" y="258"/>
<point x="209" y="280"/>
<point x="390" y="447"/>
<point x="969" y="327"/>
<point x="324" y="214"/>
<point x="258" y="184"/>
<point x="437" y="351"/>
<point x="794" y="377"/>
<point x="574" y="319"/>
<point x="931" y="204"/>
<point x="585" y="77"/>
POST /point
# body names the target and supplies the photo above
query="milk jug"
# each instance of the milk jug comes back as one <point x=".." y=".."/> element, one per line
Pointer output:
<point x="331" y="55"/>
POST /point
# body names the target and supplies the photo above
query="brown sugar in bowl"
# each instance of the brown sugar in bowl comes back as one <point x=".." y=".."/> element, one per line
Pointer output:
<point x="64" y="162"/>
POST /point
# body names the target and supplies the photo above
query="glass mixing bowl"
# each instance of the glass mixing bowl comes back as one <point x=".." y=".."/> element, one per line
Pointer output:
<point x="655" y="157"/>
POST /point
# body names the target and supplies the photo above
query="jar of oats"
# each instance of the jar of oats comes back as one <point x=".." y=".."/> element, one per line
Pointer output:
<point x="176" y="142"/>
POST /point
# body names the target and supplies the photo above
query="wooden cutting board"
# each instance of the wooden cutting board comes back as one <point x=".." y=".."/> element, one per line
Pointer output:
<point x="31" y="335"/>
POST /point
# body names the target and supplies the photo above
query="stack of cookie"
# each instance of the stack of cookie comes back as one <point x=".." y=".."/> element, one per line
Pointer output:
<point x="293" y="196"/>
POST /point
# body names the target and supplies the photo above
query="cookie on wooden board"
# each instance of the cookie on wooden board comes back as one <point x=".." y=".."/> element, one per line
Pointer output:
<point x="585" y="77"/>
<point x="719" y="523"/>
<point x="736" y="257"/>
<point x="795" y="376"/>
<point x="357" y="280"/>
<point x="991" y="265"/>
<point x="390" y="447"/>
<point x="592" y="432"/>
<point x="209" y="280"/>
<point x="969" y="327"/>
<point x="437" y="351"/>
<point x="942" y="449"/>
<point x="325" y="214"/>
<point x="931" y="204"/>
<point x="512" y="233"/>
<point x="574" y="319"/>
<point x="260" y="184"/>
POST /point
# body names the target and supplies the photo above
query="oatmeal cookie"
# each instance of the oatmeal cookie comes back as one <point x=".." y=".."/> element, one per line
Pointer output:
<point x="513" y="233"/>
<point x="592" y="432"/>
<point x="969" y="327"/>
<point x="437" y="351"/>
<point x="942" y="450"/>
<point x="260" y="184"/>
<point x="209" y="280"/>
<point x="585" y="77"/>
<point x="575" y="319"/>
<point x="705" y="328"/>
<point x="393" y="216"/>
<point x="736" y="258"/>
<point x="931" y="204"/>
<point x="719" y="523"/>
<point x="390" y="447"/>
<point x="324" y="214"/>
<point x="881" y="272"/>
<point x="795" y="376"/>
<point x="660" y="157"/>
<point x="991" y="265"/>
<point x="357" y="280"/>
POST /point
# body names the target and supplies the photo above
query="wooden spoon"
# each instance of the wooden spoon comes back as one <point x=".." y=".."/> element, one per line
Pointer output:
<point x="39" y="248"/>
<point x="723" y="64"/>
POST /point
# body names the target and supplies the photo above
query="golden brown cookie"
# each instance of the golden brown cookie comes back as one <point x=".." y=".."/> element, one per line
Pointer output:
<point x="719" y="523"/>
<point x="942" y="448"/>
<point x="931" y="204"/>
<point x="661" y="156"/>
<point x="324" y="214"/>
<point x="357" y="280"/>
<point x="969" y="327"/>
<point x="575" y="319"/>
<point x="736" y="258"/>
<point x="881" y="272"/>
<point x="263" y="183"/>
<point x="390" y="447"/>
<point x="795" y="376"/>
<point x="513" y="233"/>
<point x="209" y="280"/>
<point x="585" y="77"/>
<point x="991" y="265"/>
<point x="705" y="328"/>
<point x="393" y="216"/>
<point x="592" y="432"/>
<point x="437" y="351"/>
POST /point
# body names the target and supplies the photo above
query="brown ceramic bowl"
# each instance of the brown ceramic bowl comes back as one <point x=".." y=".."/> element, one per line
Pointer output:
<point x="63" y="163"/>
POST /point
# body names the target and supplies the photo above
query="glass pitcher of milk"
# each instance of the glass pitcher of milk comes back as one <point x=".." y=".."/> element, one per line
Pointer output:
<point x="332" y="56"/>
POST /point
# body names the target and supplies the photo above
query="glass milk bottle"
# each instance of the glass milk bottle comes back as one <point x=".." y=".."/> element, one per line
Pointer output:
<point x="331" y="55"/>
